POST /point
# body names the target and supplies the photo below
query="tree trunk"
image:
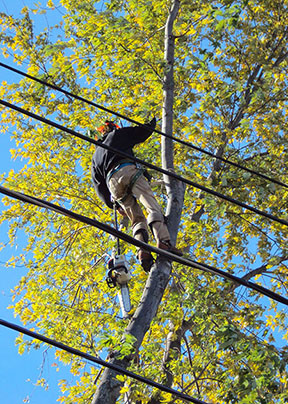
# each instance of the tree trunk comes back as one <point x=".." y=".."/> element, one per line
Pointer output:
<point x="175" y="189"/>
<point x="109" y="387"/>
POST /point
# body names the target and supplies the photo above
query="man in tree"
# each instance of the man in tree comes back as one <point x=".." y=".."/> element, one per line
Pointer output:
<point x="123" y="182"/>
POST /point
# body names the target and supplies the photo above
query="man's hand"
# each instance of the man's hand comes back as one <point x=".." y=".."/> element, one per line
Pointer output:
<point x="152" y="122"/>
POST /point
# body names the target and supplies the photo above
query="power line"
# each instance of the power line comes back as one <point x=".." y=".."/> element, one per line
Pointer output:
<point x="149" y="165"/>
<point x="205" y="267"/>
<point x="125" y="237"/>
<point x="99" y="361"/>
<point x="183" y="142"/>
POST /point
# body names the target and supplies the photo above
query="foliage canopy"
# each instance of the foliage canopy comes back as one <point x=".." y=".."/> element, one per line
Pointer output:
<point x="210" y="339"/>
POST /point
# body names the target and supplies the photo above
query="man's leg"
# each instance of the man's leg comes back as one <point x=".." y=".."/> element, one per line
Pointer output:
<point x="139" y="228"/>
<point x="118" y="185"/>
<point x="155" y="219"/>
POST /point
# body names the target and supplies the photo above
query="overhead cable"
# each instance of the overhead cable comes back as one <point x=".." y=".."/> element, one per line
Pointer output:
<point x="125" y="237"/>
<point x="183" y="142"/>
<point x="99" y="361"/>
<point x="149" y="165"/>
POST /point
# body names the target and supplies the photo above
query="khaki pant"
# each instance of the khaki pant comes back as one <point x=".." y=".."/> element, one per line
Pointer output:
<point x="142" y="192"/>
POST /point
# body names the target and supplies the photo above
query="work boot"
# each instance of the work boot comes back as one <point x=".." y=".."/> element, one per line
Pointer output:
<point x="146" y="260"/>
<point x="166" y="245"/>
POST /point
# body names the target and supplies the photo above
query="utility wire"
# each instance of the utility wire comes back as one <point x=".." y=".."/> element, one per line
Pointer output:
<point x="260" y="289"/>
<point x="99" y="361"/>
<point x="149" y="165"/>
<point x="125" y="237"/>
<point x="183" y="142"/>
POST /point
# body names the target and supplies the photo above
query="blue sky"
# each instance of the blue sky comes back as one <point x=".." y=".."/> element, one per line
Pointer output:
<point x="19" y="373"/>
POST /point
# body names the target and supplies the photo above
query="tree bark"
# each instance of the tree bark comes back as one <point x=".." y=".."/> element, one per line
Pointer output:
<point x="109" y="387"/>
<point x="175" y="189"/>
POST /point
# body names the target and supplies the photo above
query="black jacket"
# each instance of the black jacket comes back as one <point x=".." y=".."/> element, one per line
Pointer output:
<point x="103" y="160"/>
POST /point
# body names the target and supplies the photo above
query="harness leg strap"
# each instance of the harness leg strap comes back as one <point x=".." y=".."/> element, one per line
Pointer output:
<point x="134" y="178"/>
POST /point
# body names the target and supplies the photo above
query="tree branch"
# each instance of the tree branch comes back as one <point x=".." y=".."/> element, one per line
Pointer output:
<point x="252" y="85"/>
<point x="172" y="352"/>
<point x="258" y="271"/>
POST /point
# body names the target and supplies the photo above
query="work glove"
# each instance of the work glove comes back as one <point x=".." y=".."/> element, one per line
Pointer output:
<point x="92" y="133"/>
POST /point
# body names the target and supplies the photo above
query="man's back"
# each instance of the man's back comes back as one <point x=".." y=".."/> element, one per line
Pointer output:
<point x="103" y="160"/>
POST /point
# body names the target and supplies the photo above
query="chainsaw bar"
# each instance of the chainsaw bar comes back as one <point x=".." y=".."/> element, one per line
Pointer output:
<point x="124" y="299"/>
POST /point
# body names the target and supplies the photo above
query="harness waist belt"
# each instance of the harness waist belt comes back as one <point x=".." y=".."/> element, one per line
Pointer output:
<point x="140" y="171"/>
<point x="117" y="168"/>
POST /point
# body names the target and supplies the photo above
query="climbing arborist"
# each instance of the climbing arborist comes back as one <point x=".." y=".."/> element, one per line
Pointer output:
<point x="122" y="181"/>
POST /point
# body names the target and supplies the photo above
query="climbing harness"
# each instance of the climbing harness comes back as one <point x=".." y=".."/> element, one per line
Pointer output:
<point x="119" y="274"/>
<point x="121" y="164"/>
<point x="140" y="171"/>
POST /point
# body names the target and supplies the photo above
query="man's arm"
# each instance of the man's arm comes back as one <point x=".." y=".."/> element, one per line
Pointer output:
<point x="143" y="133"/>
<point x="133" y="135"/>
<point x="101" y="188"/>
<point x="103" y="193"/>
